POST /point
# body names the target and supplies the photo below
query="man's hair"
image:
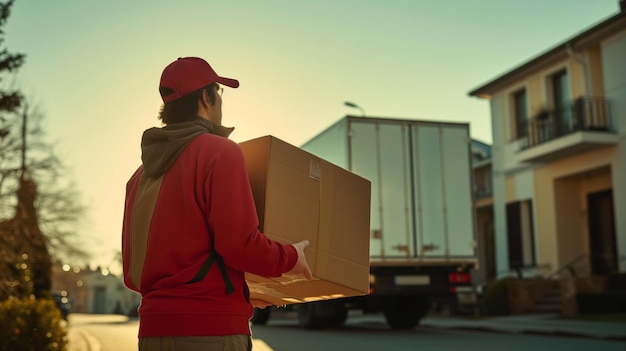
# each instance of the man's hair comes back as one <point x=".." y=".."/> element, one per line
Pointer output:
<point x="185" y="108"/>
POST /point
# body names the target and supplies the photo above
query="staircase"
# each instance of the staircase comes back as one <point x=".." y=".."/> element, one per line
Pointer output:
<point x="549" y="303"/>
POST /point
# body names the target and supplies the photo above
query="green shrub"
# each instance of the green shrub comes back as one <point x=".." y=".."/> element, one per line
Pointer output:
<point x="496" y="300"/>
<point x="31" y="325"/>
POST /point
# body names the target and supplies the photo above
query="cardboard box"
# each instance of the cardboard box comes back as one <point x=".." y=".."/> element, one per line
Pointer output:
<point x="300" y="196"/>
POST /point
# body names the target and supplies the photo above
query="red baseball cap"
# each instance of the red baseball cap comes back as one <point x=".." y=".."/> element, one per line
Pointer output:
<point x="188" y="74"/>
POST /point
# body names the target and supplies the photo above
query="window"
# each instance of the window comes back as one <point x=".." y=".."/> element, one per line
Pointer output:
<point x="482" y="182"/>
<point x="520" y="114"/>
<point x="560" y="101"/>
<point x="520" y="234"/>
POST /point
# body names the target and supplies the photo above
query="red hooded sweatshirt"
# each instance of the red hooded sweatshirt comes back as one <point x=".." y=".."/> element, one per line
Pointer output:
<point x="192" y="195"/>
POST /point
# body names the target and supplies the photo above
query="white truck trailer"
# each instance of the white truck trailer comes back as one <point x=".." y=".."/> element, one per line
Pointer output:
<point x="422" y="232"/>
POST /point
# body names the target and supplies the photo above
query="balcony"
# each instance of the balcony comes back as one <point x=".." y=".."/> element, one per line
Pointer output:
<point x="581" y="126"/>
<point x="483" y="182"/>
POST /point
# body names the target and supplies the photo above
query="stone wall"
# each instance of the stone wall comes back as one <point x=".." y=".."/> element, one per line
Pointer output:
<point x="572" y="286"/>
<point x="523" y="294"/>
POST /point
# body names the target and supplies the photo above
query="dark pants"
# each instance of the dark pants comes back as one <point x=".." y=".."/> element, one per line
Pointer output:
<point x="197" y="343"/>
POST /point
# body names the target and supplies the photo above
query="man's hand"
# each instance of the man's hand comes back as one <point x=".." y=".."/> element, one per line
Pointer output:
<point x="301" y="265"/>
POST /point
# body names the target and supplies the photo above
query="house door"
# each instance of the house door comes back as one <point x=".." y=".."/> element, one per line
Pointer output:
<point x="520" y="234"/>
<point x="99" y="300"/>
<point x="602" y="232"/>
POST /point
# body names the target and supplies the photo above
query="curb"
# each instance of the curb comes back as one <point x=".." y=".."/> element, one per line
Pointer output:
<point x="568" y="334"/>
<point x="539" y="332"/>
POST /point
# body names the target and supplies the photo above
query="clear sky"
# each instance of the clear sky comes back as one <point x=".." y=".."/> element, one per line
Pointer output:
<point x="93" y="68"/>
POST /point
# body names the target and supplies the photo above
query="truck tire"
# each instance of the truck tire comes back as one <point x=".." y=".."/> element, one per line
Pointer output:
<point x="309" y="316"/>
<point x="340" y="314"/>
<point x="322" y="314"/>
<point x="261" y="316"/>
<point x="405" y="313"/>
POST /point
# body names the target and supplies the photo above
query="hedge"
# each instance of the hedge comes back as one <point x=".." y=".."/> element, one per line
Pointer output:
<point x="31" y="325"/>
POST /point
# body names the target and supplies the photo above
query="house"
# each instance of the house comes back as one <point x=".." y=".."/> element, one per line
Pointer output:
<point x="94" y="290"/>
<point x="483" y="209"/>
<point x="558" y="158"/>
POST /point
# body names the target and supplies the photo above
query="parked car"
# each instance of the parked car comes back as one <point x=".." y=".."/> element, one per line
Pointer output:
<point x="63" y="302"/>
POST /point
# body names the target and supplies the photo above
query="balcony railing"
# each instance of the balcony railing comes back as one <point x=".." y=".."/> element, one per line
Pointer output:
<point x="584" y="114"/>
<point x="483" y="193"/>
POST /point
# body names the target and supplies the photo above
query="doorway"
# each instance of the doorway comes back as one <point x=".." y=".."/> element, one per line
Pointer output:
<point x="99" y="300"/>
<point x="602" y="241"/>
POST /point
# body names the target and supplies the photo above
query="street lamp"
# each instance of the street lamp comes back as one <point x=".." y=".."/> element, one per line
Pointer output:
<point x="352" y="104"/>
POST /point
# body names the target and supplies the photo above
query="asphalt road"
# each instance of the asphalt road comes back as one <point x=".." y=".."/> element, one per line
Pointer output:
<point x="362" y="333"/>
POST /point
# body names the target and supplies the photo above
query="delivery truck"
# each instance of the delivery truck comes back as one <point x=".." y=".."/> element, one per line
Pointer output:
<point x="422" y="227"/>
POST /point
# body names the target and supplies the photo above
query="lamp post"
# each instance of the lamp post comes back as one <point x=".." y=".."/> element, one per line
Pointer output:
<point x="352" y="104"/>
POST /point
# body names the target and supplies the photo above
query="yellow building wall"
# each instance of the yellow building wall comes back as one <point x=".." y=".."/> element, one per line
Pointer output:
<point x="545" y="219"/>
<point x="510" y="190"/>
<point x="580" y="68"/>
<point x="561" y="190"/>
<point x="596" y="71"/>
<point x="570" y="220"/>
<point x="576" y="71"/>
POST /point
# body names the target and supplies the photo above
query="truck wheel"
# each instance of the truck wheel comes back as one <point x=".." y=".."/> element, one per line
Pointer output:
<point x="405" y="313"/>
<point x="309" y="316"/>
<point x="261" y="316"/>
<point x="339" y="316"/>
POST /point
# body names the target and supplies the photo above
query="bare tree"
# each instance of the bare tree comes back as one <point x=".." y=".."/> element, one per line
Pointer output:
<point x="40" y="210"/>
<point x="58" y="203"/>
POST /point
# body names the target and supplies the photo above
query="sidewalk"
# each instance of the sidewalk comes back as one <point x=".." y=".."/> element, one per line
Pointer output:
<point x="546" y="324"/>
<point x="80" y="340"/>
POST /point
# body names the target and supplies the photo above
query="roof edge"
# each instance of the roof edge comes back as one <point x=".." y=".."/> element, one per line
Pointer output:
<point x="580" y="41"/>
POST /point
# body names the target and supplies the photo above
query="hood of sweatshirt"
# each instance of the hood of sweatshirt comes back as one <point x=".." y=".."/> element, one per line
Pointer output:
<point x="160" y="147"/>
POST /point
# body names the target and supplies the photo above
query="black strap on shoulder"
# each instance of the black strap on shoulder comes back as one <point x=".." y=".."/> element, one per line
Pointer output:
<point x="220" y="263"/>
<point x="206" y="266"/>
